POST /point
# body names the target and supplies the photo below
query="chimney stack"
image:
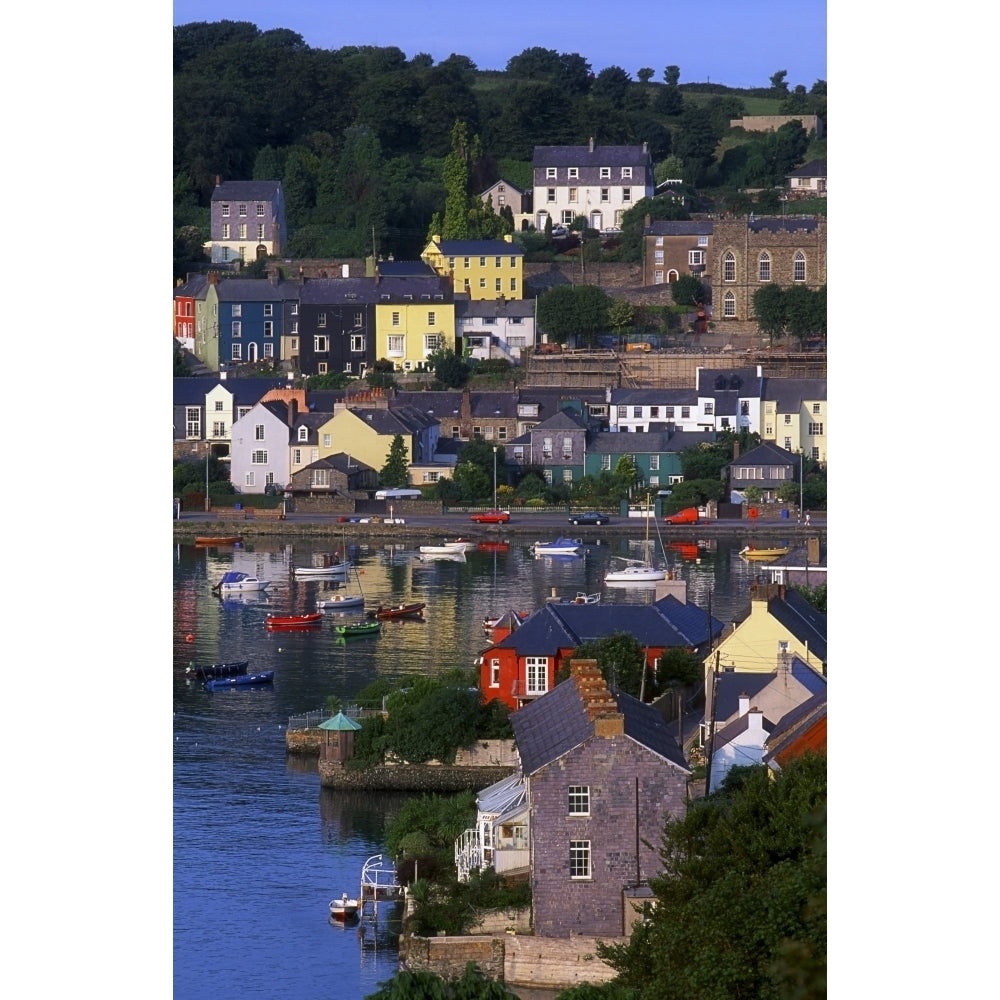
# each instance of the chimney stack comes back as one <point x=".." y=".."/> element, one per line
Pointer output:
<point x="293" y="412"/>
<point x="744" y="704"/>
<point x="591" y="143"/>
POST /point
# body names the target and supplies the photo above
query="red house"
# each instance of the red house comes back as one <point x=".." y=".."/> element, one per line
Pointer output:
<point x="522" y="662"/>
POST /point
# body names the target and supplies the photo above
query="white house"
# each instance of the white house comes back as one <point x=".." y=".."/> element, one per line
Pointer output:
<point x="260" y="447"/>
<point x="496" y="328"/>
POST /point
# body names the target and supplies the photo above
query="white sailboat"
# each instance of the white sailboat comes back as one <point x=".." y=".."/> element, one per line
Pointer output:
<point x="637" y="570"/>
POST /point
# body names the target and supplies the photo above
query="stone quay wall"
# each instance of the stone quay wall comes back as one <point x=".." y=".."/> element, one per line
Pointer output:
<point x="516" y="959"/>
<point x="410" y="777"/>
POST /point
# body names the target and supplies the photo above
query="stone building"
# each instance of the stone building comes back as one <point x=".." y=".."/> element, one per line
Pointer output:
<point x="748" y="253"/>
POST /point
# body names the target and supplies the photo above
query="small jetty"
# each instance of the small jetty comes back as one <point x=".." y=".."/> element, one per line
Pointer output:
<point x="379" y="884"/>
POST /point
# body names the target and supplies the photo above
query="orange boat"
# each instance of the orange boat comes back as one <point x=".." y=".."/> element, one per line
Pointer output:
<point x="414" y="610"/>
<point x="219" y="540"/>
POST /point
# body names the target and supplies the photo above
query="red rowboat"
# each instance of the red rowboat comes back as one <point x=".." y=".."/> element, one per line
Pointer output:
<point x="294" y="621"/>
<point x="414" y="610"/>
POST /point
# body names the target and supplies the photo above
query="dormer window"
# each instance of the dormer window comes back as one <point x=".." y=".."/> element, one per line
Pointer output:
<point x="627" y="172"/>
<point x="574" y="173"/>
<point x="550" y="172"/>
<point x="606" y="172"/>
<point x="303" y="433"/>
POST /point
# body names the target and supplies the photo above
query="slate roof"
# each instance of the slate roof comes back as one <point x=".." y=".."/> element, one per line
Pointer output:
<point x="337" y="291"/>
<point x="667" y="227"/>
<point x="405" y="269"/>
<point x="194" y="288"/>
<point x="479" y="248"/>
<point x="582" y="156"/>
<point x="745" y="380"/>
<point x="766" y="454"/>
<point x="654" y="397"/>
<point x="395" y="420"/>
<point x="562" y="420"/>
<point x="246" y="391"/>
<point x="340" y="462"/>
<point x="555" y="627"/>
<point x="814" y="168"/>
<point x="804" y="725"/>
<point x="738" y="726"/>
<point x="397" y="288"/>
<point x="556" y="723"/>
<point x="789" y="393"/>
<point x="797" y="615"/>
<point x="248" y="190"/>
<point x="730" y="684"/>
<point x="312" y="420"/>
<point x="472" y="308"/>
<point x="783" y="224"/>
<point x="256" y="290"/>
<point x="609" y="443"/>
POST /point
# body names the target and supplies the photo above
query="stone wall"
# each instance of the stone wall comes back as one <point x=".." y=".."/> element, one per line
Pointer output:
<point x="771" y="123"/>
<point x="410" y="777"/>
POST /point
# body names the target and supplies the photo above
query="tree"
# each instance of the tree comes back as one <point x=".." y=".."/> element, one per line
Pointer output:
<point x="778" y="81"/>
<point x="672" y="75"/>
<point x="381" y="375"/>
<point x="695" y="141"/>
<point x="678" y="668"/>
<point x="769" y="309"/>
<point x="622" y="661"/>
<point x="395" y="471"/>
<point x="449" y="369"/>
<point x="645" y="74"/>
<point x="472" y="482"/>
<point x="688" y="290"/>
<point x="741" y="905"/>
<point x="800" y="314"/>
<point x="424" y="985"/>
<point x="612" y="85"/>
<point x="626" y="475"/>
<point x="621" y="312"/>
<point x="573" y="309"/>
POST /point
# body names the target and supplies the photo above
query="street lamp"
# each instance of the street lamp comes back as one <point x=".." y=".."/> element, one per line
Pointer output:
<point x="208" y="451"/>
<point x="494" y="477"/>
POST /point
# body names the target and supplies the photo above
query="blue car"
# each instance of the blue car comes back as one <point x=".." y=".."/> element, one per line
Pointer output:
<point x="590" y="517"/>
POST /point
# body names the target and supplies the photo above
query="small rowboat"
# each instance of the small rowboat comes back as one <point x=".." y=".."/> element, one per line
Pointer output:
<point x="762" y="555"/>
<point x="341" y="601"/>
<point x="219" y="540"/>
<point x="294" y="621"/>
<point x="414" y="610"/>
<point x="241" y="680"/>
<point x="230" y="669"/>
<point x="354" y="629"/>
<point x="333" y="570"/>
<point x="343" y="910"/>
<point x="457" y="547"/>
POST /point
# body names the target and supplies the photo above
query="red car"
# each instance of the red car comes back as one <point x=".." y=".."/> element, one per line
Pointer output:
<point x="491" y="517"/>
<point x="689" y="515"/>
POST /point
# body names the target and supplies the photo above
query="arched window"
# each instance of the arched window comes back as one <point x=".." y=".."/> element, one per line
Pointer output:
<point x="729" y="306"/>
<point x="729" y="266"/>
<point x="764" y="267"/>
<point x="672" y="276"/>
<point x="799" y="266"/>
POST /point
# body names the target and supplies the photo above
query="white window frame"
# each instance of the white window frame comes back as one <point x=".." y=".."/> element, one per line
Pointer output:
<point x="321" y="343"/>
<point x="578" y="800"/>
<point x="536" y="675"/>
<point x="580" y="868"/>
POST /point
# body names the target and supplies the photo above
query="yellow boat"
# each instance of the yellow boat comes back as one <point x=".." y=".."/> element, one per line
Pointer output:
<point x="762" y="555"/>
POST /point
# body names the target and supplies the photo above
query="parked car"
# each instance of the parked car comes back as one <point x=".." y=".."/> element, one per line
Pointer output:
<point x="491" y="517"/>
<point x="589" y="517"/>
<point x="689" y="515"/>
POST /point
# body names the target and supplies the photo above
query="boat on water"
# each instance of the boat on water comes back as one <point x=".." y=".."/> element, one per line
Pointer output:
<point x="354" y="629"/>
<point x="458" y="546"/>
<point x="343" y="909"/>
<point x="442" y="557"/>
<point x="493" y="546"/>
<point x="560" y="547"/>
<point x="219" y="540"/>
<point x="240" y="680"/>
<point x="762" y="555"/>
<point x="214" y="670"/>
<point x="580" y="598"/>
<point x="340" y="602"/>
<point x="637" y="570"/>
<point x="294" y="621"/>
<point x="414" y="609"/>
<point x="333" y="570"/>
<point x="235" y="582"/>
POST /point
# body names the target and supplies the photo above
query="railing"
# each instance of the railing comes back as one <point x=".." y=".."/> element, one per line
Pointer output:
<point x="312" y="719"/>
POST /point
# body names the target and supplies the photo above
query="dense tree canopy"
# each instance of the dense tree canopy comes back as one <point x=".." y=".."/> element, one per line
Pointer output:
<point x="566" y="310"/>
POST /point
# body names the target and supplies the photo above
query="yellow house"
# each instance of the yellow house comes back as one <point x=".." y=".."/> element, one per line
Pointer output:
<point x="781" y="621"/>
<point x="414" y="317"/>
<point x="794" y="415"/>
<point x="481" y="269"/>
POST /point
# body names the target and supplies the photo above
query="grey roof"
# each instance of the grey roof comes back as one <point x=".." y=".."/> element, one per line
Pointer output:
<point x="669" y="227"/>
<point x="445" y="404"/>
<point x="250" y="190"/>
<point x="337" y="291"/>
<point x="340" y="462"/>
<point x="814" y="168"/>
<point x="397" y="289"/>
<point x="507" y="183"/>
<point x="744" y="380"/>
<point x="654" y="397"/>
<point x="502" y="795"/>
<point x="405" y="269"/>
<point x="609" y="443"/>
<point x="766" y="454"/>
<point x="256" y="290"/>
<point x="730" y="684"/>
<point x="797" y="615"/>
<point x="789" y="393"/>
<point x="793" y="723"/>
<point x="480" y="248"/>
<point x="561" y="420"/>
<point x="739" y="725"/>
<point x="395" y="420"/>
<point x="556" y="723"/>
<point x="493" y="307"/>
<point x="194" y="287"/>
<point x="555" y="627"/>
<point x="582" y="156"/>
<point x="783" y="224"/>
<point x="245" y="391"/>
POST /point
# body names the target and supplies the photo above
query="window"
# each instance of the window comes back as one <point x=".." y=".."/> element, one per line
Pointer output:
<point x="225" y="230"/>
<point x="709" y="409"/>
<point x="432" y="319"/>
<point x="451" y="263"/>
<point x="237" y="328"/>
<point x="498" y="261"/>
<point x="815" y="428"/>
<point x="249" y="480"/>
<point x="320" y="477"/>
<point x="654" y="463"/>
<point x="579" y="859"/>
<point x="295" y="343"/>
<point x="268" y="309"/>
<point x="260" y="211"/>
<point x="685" y="412"/>
<point x="260" y="230"/>
<point x="572" y="194"/>
<point x="501" y="433"/>
<point x="494" y="673"/>
<point x="550" y="172"/>
<point x="465" y="262"/>
<point x="258" y="432"/>
<point x="303" y="433"/>
<point x="764" y="267"/>
<point x="295" y="308"/>
<point x="546" y="447"/>
<point x="537" y="668"/>
<point x="219" y="406"/>
<point x="296" y="456"/>
<point x="322" y="367"/>
<point x="788" y="444"/>
<point x="567" y="475"/>
<point x="476" y="430"/>
<point x="498" y="285"/>
<point x="513" y="262"/>
<point x="396" y="343"/>
<point x="816" y="407"/>
<point x="567" y="450"/>
<point x="788" y="418"/>
<point x="268" y="328"/>
<point x="482" y="282"/>
<point x="225" y="211"/>
<point x="605" y="195"/>
<point x="243" y="211"/>
<point x="729" y="269"/>
<point x="626" y="194"/>
<point x="258" y="457"/>
<point x="799" y="266"/>
<point x="815" y="454"/>
<point x="466" y="284"/>
<point x="455" y="431"/>
<point x="321" y="343"/>
<point x="696" y="258"/>
<point x="237" y="354"/>
<point x="550" y="194"/>
<point x="321" y="320"/>
<point x="579" y="800"/>
<point x="657" y="256"/>
<point x="729" y="306"/>
<point x="395" y="319"/>
<point x="519" y="453"/>
<point x="658" y="277"/>
<point x="501" y="199"/>
<point x="359" y="319"/>
<point x="513" y="288"/>
<point x="703" y="241"/>
<point x="605" y="463"/>
<point x="573" y="173"/>
<point x="357" y="342"/>
<point x="668" y="412"/>
<point x="269" y="350"/>
<point x="193" y="421"/>
<point x="237" y="310"/>
<point x="488" y="321"/>
<point x="606" y="172"/>
<point x="243" y="233"/>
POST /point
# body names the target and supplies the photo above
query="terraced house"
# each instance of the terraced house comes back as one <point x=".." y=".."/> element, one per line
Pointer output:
<point x="414" y="317"/>
<point x="481" y="269"/>
<point x="247" y="220"/>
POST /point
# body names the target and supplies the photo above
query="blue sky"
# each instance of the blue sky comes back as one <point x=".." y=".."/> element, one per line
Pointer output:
<point x="740" y="43"/>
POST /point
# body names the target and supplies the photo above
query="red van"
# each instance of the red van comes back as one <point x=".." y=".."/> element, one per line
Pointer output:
<point x="689" y="515"/>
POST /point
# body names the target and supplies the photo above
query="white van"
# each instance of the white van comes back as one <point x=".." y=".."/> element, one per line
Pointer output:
<point x="398" y="495"/>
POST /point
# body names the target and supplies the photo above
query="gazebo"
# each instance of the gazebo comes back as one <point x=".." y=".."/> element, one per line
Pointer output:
<point x="338" y="738"/>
